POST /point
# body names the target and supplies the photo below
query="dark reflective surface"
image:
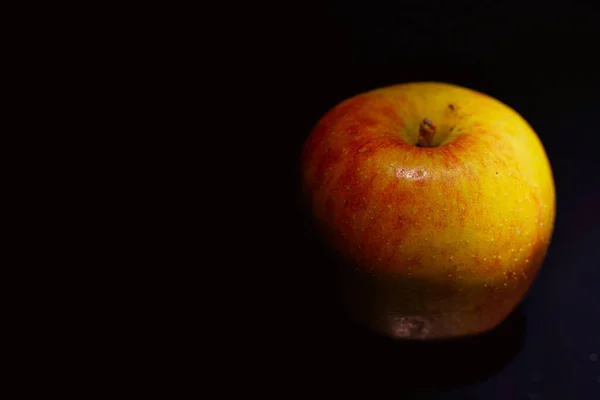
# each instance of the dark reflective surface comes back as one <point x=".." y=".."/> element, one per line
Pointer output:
<point x="371" y="363"/>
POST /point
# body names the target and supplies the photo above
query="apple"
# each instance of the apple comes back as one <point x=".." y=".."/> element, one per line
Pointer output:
<point x="439" y="199"/>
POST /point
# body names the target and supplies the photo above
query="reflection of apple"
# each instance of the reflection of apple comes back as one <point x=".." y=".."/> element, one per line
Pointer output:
<point x="441" y="200"/>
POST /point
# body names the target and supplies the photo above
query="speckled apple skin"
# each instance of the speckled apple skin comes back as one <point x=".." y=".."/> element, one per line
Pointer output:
<point x="438" y="242"/>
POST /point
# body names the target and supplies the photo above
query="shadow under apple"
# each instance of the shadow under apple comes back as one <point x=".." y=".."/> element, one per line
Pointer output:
<point x="376" y="364"/>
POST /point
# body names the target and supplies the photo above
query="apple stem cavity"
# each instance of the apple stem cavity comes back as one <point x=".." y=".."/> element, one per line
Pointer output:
<point x="426" y="133"/>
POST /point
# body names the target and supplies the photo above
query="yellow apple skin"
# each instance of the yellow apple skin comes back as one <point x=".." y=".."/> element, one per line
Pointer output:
<point x="441" y="241"/>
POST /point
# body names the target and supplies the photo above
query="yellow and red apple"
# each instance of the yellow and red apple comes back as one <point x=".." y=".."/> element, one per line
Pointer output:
<point x="441" y="201"/>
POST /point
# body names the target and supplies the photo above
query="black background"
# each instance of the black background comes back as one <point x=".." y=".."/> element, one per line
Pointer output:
<point x="538" y="58"/>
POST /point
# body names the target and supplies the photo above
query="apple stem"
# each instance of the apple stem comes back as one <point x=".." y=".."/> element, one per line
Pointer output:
<point x="426" y="133"/>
